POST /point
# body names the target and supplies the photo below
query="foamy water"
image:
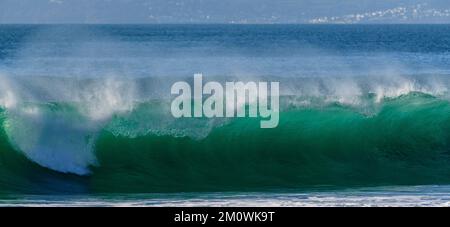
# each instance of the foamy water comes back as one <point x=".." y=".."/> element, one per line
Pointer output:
<point x="400" y="196"/>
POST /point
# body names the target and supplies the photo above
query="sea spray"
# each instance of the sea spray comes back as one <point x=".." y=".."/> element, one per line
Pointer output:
<point x="238" y="98"/>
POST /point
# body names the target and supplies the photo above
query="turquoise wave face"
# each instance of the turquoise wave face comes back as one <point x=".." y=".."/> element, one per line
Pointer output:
<point x="18" y="174"/>
<point x="404" y="140"/>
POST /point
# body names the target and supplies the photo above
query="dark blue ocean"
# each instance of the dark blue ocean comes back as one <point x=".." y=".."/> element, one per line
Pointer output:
<point x="180" y="50"/>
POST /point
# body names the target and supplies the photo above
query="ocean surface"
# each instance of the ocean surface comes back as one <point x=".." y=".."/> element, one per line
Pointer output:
<point x="85" y="116"/>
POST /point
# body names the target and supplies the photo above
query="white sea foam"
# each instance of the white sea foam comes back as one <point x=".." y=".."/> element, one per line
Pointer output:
<point x="395" y="196"/>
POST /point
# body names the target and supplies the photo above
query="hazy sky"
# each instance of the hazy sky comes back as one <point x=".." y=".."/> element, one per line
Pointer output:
<point x="224" y="11"/>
